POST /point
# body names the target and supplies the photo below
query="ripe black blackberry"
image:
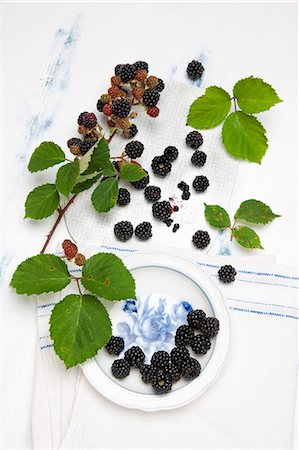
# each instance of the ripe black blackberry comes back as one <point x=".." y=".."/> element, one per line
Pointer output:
<point x="143" y="231"/>
<point x="121" y="108"/>
<point x="175" y="372"/>
<point x="183" y="336"/>
<point x="200" y="183"/>
<point x="117" y="69"/>
<point x="192" y="370"/>
<point x="141" y="65"/>
<point x="194" y="139"/>
<point x="130" y="132"/>
<point x="162" y="210"/>
<point x="160" y="359"/>
<point x="135" y="356"/>
<point x="150" y="97"/>
<point x="123" y="197"/>
<point x="115" y="345"/>
<point x="162" y="383"/>
<point x="161" y="166"/>
<point x="198" y="158"/>
<point x="116" y="165"/>
<point x="195" y="317"/>
<point x="209" y="326"/>
<point x="195" y="70"/>
<point x="168" y="222"/>
<point x="175" y="208"/>
<point x="123" y="230"/>
<point x="171" y="153"/>
<point x="186" y="195"/>
<point x="201" y="344"/>
<point x="152" y="193"/>
<point x="140" y="184"/>
<point x="127" y="72"/>
<point x="120" y="368"/>
<point x="100" y="105"/>
<point x="160" y="86"/>
<point x="201" y="239"/>
<point x="227" y="273"/>
<point x="86" y="144"/>
<point x="88" y="120"/>
<point x="147" y="373"/>
<point x="180" y="357"/>
<point x="183" y="186"/>
<point x="176" y="226"/>
<point x="134" y="149"/>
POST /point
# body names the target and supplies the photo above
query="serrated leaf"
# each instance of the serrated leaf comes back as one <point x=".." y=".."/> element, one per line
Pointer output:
<point x="217" y="216"/>
<point x="66" y="177"/>
<point x="106" y="275"/>
<point x="104" y="197"/>
<point x="81" y="186"/>
<point x="255" y="211"/>
<point x="131" y="172"/>
<point x="247" y="237"/>
<point x="97" y="160"/>
<point x="244" y="137"/>
<point x="79" y="326"/>
<point x="42" y="202"/>
<point x="46" y="155"/>
<point x="210" y="109"/>
<point x="40" y="274"/>
<point x="254" y="95"/>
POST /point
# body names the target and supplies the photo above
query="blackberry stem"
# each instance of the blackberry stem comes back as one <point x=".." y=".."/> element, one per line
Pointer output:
<point x="78" y="284"/>
<point x="232" y="229"/>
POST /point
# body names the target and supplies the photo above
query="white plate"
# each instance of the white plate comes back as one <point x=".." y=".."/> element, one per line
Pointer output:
<point x="167" y="288"/>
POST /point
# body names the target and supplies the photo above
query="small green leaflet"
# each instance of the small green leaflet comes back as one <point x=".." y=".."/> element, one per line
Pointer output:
<point x="244" y="137"/>
<point x="97" y="160"/>
<point x="247" y="237"/>
<point x="104" y="196"/>
<point x="105" y="275"/>
<point x="66" y="177"/>
<point x="217" y="216"/>
<point x="40" y="274"/>
<point x="46" y="155"/>
<point x="131" y="172"/>
<point x="254" y="95"/>
<point x="42" y="202"/>
<point x="255" y="211"/>
<point x="79" y="327"/>
<point x="86" y="183"/>
<point x="210" y="109"/>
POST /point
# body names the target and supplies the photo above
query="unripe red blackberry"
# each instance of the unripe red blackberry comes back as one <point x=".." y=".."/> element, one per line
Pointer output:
<point x="141" y="75"/>
<point x="123" y="123"/>
<point x="114" y="92"/>
<point x="106" y="98"/>
<point x="70" y="249"/>
<point x="80" y="259"/>
<point x="153" y="111"/>
<point x="116" y="81"/>
<point x="152" y="82"/>
<point x="137" y="93"/>
<point x="107" y="110"/>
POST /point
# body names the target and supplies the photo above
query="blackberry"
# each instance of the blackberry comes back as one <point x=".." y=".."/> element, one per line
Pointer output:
<point x="115" y="345"/>
<point x="183" y="336"/>
<point x="74" y="146"/>
<point x="160" y="359"/>
<point x="201" y="344"/>
<point x="124" y="197"/>
<point x="130" y="132"/>
<point x="176" y="226"/>
<point x="154" y="111"/>
<point x="161" y="166"/>
<point x="87" y="144"/>
<point x="88" y="120"/>
<point x="192" y="370"/>
<point x="200" y="183"/>
<point x="209" y="326"/>
<point x="135" y="356"/>
<point x="123" y="230"/>
<point x="198" y="158"/>
<point x="141" y="65"/>
<point x="162" y="210"/>
<point x="227" y="274"/>
<point x="175" y="208"/>
<point x="151" y="97"/>
<point x="143" y="231"/>
<point x="140" y="184"/>
<point x="147" y="373"/>
<point x="121" y="107"/>
<point x="120" y="368"/>
<point x="134" y="149"/>
<point x="180" y="357"/>
<point x="175" y="372"/>
<point x="195" y="70"/>
<point x="195" y="317"/>
<point x="117" y="69"/>
<point x="186" y="195"/>
<point x="116" y="165"/>
<point x="127" y="72"/>
<point x="194" y="139"/>
<point x="201" y="239"/>
<point x="100" y="105"/>
<point x="183" y="186"/>
<point x="160" y="86"/>
<point x="171" y="153"/>
<point x="168" y="222"/>
<point x="152" y="193"/>
<point x="162" y="383"/>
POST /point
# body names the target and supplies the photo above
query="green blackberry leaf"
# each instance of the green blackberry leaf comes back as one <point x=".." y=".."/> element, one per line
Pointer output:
<point x="97" y="159"/>
<point x="104" y="196"/>
<point x="66" y="177"/>
<point x="247" y="237"/>
<point x="46" y="155"/>
<point x="79" y="326"/>
<point x="255" y="211"/>
<point x="210" y="109"/>
<point x="106" y="275"/>
<point x="244" y="137"/>
<point x="254" y="95"/>
<point x="131" y="172"/>
<point x="217" y="216"/>
<point x="42" y="202"/>
<point x="40" y="274"/>
<point x="84" y="182"/>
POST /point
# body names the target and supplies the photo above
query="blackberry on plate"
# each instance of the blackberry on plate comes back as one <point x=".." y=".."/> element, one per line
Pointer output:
<point x="141" y="65"/>
<point x="123" y="197"/>
<point x="120" y="368"/>
<point x="127" y="72"/>
<point x="209" y="326"/>
<point x="195" y="70"/>
<point x="183" y="336"/>
<point x="134" y="149"/>
<point x="176" y="226"/>
<point x="121" y="107"/>
<point x="186" y="195"/>
<point x="130" y="132"/>
<point x="152" y="193"/>
<point x="200" y="183"/>
<point x="160" y="359"/>
<point x="194" y="318"/>
<point x="162" y="210"/>
<point x="168" y="222"/>
<point x="194" y="139"/>
<point x="135" y="356"/>
<point x="123" y="230"/>
<point x="201" y="344"/>
<point x="192" y="370"/>
<point x="160" y="86"/>
<point x="198" y="158"/>
<point x="162" y="383"/>
<point x="143" y="231"/>
<point x="175" y="372"/>
<point x="201" y="239"/>
<point x="183" y="186"/>
<point x="227" y="273"/>
<point x="171" y="153"/>
<point x="179" y="356"/>
<point x="140" y="184"/>
<point x="115" y="345"/>
<point x="161" y="166"/>
<point x="151" y="97"/>
<point x="100" y="105"/>
<point x="147" y="373"/>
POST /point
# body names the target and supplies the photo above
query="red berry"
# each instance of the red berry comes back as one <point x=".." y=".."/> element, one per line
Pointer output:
<point x="141" y="75"/>
<point x="153" y="111"/>
<point x="115" y="81"/>
<point x="107" y="109"/>
<point x="137" y="92"/>
<point x="80" y="259"/>
<point x="70" y="249"/>
<point x="114" y="92"/>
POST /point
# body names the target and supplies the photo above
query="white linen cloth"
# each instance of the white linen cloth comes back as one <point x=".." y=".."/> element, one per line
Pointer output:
<point x="251" y="405"/>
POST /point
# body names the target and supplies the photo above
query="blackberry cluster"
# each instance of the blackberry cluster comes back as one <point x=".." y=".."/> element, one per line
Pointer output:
<point x="161" y="166"/>
<point x="115" y="345"/>
<point x="227" y="274"/>
<point x="183" y="336"/>
<point x="209" y="326"/>
<point x="186" y="190"/>
<point x="143" y="231"/>
<point x="135" y="356"/>
<point x="195" y="70"/>
<point x="194" y="139"/>
<point x="91" y="132"/>
<point x="134" y="149"/>
<point x="201" y="239"/>
<point x="195" y="317"/>
<point x="171" y="153"/>
<point x="162" y="210"/>
<point x="123" y="230"/>
<point x="140" y="184"/>
<point x="152" y="193"/>
<point x="120" y="368"/>
<point x="198" y="158"/>
<point x="124" y="197"/>
<point x="200" y="183"/>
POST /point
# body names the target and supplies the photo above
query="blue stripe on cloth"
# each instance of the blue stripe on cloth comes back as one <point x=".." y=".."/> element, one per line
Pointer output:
<point x="261" y="303"/>
<point x="287" y="316"/>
